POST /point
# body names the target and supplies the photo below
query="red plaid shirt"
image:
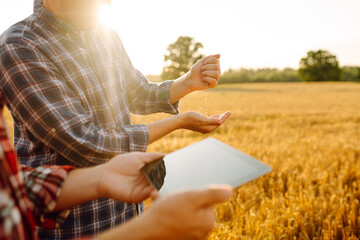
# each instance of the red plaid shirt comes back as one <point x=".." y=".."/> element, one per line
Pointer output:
<point x="27" y="195"/>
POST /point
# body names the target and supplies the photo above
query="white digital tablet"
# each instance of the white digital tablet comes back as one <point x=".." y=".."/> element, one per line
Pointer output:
<point x="207" y="162"/>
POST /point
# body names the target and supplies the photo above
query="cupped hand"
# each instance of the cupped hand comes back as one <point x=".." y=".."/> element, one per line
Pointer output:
<point x="197" y="122"/>
<point x="122" y="180"/>
<point x="205" y="73"/>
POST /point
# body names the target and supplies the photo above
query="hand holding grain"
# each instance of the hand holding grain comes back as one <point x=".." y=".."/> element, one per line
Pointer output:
<point x="205" y="73"/>
<point x="199" y="123"/>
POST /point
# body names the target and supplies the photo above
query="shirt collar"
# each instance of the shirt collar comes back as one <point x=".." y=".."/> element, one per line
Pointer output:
<point x="51" y="20"/>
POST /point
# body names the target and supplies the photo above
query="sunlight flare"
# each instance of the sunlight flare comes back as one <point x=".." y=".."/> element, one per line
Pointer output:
<point x="106" y="14"/>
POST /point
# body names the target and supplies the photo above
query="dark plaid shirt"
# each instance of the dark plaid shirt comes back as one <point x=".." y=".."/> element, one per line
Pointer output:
<point x="71" y="94"/>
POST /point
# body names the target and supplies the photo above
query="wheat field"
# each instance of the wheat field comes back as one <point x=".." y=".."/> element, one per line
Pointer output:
<point x="309" y="133"/>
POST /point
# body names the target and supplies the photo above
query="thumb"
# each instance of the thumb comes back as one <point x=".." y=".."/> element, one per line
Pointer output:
<point x="213" y="195"/>
<point x="150" y="157"/>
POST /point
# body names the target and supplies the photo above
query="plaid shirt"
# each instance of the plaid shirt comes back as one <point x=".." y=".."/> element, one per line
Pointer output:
<point x="71" y="94"/>
<point x="27" y="196"/>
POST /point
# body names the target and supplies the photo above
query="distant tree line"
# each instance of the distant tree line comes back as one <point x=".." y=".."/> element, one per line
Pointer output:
<point x="350" y="74"/>
<point x="318" y="65"/>
<point x="243" y="75"/>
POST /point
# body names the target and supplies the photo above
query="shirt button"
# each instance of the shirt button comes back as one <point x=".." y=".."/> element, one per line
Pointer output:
<point x="53" y="130"/>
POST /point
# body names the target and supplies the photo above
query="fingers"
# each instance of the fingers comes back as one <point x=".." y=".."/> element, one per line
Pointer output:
<point x="212" y="195"/>
<point x="210" y="71"/>
<point x="211" y="82"/>
<point x="154" y="195"/>
<point x="210" y="56"/>
<point x="212" y="60"/>
<point x="211" y="66"/>
<point x="224" y="116"/>
<point x="211" y="121"/>
<point x="144" y="193"/>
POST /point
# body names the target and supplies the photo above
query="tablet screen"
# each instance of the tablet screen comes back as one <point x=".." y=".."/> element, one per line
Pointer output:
<point x="209" y="161"/>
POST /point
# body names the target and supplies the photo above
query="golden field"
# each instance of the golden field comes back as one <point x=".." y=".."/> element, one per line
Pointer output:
<point x="309" y="133"/>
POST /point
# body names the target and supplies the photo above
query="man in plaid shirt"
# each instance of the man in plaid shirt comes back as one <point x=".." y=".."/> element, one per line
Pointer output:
<point x="70" y="87"/>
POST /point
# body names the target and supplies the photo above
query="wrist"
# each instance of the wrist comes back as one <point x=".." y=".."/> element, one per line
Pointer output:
<point x="184" y="84"/>
<point x="180" y="88"/>
<point x="180" y="121"/>
<point x="188" y="83"/>
<point x="97" y="181"/>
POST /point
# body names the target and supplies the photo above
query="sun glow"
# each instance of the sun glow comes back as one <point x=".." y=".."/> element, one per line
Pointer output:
<point x="106" y="14"/>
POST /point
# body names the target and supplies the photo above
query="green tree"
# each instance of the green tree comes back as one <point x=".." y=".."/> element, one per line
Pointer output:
<point x="182" y="54"/>
<point x="319" y="65"/>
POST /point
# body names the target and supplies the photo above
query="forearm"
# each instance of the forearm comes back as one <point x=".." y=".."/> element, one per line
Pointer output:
<point x="178" y="89"/>
<point x="142" y="228"/>
<point x="163" y="127"/>
<point x="81" y="185"/>
<point x="132" y="230"/>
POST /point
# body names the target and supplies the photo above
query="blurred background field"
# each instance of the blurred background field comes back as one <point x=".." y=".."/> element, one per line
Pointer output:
<point x="309" y="133"/>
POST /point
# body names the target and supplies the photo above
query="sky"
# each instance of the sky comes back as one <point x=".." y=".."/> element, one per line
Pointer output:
<point x="247" y="33"/>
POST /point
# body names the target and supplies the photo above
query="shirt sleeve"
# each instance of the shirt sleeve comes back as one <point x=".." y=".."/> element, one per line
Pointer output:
<point x="38" y="96"/>
<point x="146" y="97"/>
<point x="43" y="187"/>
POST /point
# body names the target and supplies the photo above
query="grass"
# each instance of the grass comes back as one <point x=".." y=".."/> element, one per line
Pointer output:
<point x="310" y="135"/>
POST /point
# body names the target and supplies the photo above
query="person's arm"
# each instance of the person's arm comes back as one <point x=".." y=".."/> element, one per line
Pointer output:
<point x="38" y="96"/>
<point x="187" y="215"/>
<point x="183" y="215"/>
<point x="146" y="97"/>
<point x="119" y="179"/>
